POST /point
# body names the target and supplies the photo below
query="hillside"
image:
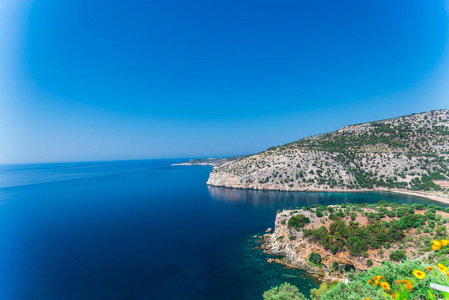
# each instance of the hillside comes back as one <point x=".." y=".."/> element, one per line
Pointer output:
<point x="409" y="152"/>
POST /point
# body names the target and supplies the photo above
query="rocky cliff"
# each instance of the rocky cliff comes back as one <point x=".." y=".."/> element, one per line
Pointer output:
<point x="408" y="152"/>
<point x="296" y="248"/>
<point x="372" y="233"/>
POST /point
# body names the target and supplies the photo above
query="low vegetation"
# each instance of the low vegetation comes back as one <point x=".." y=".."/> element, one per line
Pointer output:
<point x="285" y="291"/>
<point x="407" y="280"/>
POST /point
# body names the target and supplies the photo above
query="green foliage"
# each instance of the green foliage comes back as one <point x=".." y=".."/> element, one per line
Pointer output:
<point x="426" y="182"/>
<point x="441" y="232"/>
<point x="315" y="258"/>
<point x="356" y="239"/>
<point x="398" y="255"/>
<point x="358" y="288"/>
<point x="298" y="221"/>
<point x="317" y="293"/>
<point x="285" y="291"/>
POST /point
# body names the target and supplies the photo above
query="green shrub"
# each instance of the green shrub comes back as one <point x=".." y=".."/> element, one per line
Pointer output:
<point x="285" y="291"/>
<point x="317" y="293"/>
<point x="315" y="258"/>
<point x="298" y="221"/>
<point x="398" y="255"/>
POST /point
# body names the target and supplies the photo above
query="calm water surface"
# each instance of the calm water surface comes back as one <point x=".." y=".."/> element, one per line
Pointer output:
<point x="141" y="230"/>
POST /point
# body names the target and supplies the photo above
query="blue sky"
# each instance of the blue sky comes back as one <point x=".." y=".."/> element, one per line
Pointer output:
<point x="100" y="80"/>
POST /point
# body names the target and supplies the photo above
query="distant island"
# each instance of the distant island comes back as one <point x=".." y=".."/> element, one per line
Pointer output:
<point x="215" y="162"/>
<point x="407" y="154"/>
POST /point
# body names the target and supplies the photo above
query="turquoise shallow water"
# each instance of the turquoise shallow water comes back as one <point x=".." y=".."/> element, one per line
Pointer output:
<point x="140" y="230"/>
<point x="244" y="267"/>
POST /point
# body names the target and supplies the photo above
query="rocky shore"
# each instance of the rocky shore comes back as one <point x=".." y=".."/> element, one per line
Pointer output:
<point x="295" y="252"/>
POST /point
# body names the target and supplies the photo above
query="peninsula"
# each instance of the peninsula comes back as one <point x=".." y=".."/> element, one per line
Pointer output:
<point x="214" y="162"/>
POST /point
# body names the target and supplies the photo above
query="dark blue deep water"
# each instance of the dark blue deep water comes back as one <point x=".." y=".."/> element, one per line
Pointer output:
<point x="140" y="230"/>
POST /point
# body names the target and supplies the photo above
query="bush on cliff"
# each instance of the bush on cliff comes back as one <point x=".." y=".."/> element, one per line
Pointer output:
<point x="315" y="258"/>
<point x="298" y="221"/>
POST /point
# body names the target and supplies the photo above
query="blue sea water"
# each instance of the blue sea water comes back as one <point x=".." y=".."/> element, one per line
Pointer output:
<point x="141" y="230"/>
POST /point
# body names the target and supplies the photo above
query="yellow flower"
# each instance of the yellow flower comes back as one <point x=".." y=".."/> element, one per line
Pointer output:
<point x="419" y="274"/>
<point x="409" y="286"/>
<point x="436" y="247"/>
<point x="376" y="282"/>
<point x="444" y="242"/>
<point x="429" y="268"/>
<point x="369" y="281"/>
<point x="438" y="243"/>
<point x="367" y="299"/>
<point x="442" y="268"/>
<point x="385" y="285"/>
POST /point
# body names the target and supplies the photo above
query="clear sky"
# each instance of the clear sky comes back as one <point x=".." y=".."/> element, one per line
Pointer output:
<point x="114" y="79"/>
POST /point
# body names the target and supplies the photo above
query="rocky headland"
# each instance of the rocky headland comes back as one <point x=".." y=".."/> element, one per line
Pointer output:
<point x="354" y="236"/>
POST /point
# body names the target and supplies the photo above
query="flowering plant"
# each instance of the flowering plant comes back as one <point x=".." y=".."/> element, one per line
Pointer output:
<point x="403" y="287"/>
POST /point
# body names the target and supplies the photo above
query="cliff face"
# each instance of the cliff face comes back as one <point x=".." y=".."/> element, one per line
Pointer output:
<point x="405" y="152"/>
<point x="296" y="248"/>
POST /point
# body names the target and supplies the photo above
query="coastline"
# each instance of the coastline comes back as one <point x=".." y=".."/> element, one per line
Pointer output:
<point x="429" y="196"/>
<point x="213" y="165"/>
<point x="435" y="196"/>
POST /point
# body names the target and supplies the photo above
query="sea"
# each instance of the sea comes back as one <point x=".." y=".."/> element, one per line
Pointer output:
<point x="142" y="229"/>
